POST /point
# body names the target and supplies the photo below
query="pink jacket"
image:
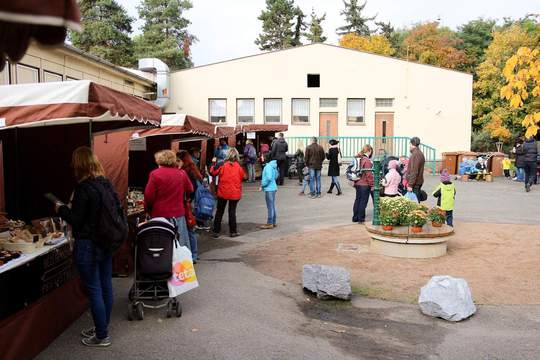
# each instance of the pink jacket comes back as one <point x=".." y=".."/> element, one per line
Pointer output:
<point x="392" y="179"/>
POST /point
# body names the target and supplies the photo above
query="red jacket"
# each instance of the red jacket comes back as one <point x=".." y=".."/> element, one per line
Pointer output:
<point x="231" y="176"/>
<point x="165" y="192"/>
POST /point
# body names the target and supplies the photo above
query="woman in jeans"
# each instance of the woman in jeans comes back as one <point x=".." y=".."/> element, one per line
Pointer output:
<point x="166" y="191"/>
<point x="250" y="158"/>
<point x="186" y="163"/>
<point x="229" y="190"/>
<point x="364" y="185"/>
<point x="93" y="263"/>
<point x="269" y="186"/>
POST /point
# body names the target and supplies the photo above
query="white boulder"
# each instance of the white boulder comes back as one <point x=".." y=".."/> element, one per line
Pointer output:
<point x="447" y="297"/>
<point x="327" y="281"/>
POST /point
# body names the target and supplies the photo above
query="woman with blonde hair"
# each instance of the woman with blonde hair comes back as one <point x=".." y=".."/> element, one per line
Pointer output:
<point x="167" y="188"/>
<point x="92" y="259"/>
<point x="229" y="190"/>
<point x="364" y="184"/>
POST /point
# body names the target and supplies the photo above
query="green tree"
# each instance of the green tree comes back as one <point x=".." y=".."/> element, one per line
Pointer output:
<point x="389" y="32"/>
<point x="277" y="28"/>
<point x="476" y="35"/>
<point x="355" y="21"/>
<point x="106" y="30"/>
<point x="165" y="35"/>
<point x="299" y="27"/>
<point x="487" y="102"/>
<point x="315" y="34"/>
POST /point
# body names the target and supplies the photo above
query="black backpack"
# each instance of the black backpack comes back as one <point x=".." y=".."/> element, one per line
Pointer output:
<point x="111" y="224"/>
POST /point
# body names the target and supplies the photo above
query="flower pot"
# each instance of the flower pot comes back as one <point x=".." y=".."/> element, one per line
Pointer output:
<point x="416" y="229"/>
<point x="436" y="224"/>
<point x="387" y="227"/>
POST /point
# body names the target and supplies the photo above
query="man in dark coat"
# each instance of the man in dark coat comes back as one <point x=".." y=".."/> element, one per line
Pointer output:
<point x="279" y="153"/>
<point x="314" y="158"/>
<point x="415" y="171"/>
<point x="520" y="160"/>
<point x="333" y="156"/>
<point x="530" y="153"/>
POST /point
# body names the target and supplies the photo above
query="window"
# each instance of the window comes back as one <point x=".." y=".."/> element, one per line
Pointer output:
<point x="300" y="111"/>
<point x="328" y="102"/>
<point x="355" y="111"/>
<point x="245" y="110"/>
<point x="4" y="75"/>
<point x="69" y="78"/>
<point x="313" y="80"/>
<point x="384" y="102"/>
<point x="272" y="110"/>
<point x="27" y="74"/>
<point x="50" y="76"/>
<point x="218" y="110"/>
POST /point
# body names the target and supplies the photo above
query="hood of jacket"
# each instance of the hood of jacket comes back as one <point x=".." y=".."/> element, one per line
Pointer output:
<point x="273" y="164"/>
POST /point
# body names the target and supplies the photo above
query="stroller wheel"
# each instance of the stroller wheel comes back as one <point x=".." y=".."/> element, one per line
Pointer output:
<point x="178" y="309"/>
<point x="139" y="311"/>
<point x="131" y="311"/>
<point x="170" y="307"/>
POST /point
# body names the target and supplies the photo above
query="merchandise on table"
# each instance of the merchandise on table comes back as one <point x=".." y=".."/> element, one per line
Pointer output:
<point x="27" y="239"/>
<point x="6" y="256"/>
<point x="135" y="201"/>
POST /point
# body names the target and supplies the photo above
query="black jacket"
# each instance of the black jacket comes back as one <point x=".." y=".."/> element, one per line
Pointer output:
<point x="85" y="207"/>
<point x="530" y="151"/>
<point x="520" y="156"/>
<point x="333" y="166"/>
<point x="279" y="150"/>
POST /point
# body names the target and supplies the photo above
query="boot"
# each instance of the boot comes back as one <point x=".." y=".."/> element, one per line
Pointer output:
<point x="331" y="188"/>
<point x="338" y="186"/>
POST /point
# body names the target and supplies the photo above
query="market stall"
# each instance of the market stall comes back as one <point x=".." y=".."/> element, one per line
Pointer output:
<point x="40" y="126"/>
<point x="128" y="159"/>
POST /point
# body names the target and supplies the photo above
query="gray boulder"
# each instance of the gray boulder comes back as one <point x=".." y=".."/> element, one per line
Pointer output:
<point x="327" y="281"/>
<point x="447" y="297"/>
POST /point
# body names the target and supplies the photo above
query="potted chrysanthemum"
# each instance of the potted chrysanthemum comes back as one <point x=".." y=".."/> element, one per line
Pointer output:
<point x="437" y="216"/>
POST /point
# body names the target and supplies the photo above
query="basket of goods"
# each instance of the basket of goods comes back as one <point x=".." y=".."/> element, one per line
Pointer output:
<point x="22" y="240"/>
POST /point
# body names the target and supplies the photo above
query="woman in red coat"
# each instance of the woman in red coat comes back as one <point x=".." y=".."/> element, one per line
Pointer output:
<point x="231" y="174"/>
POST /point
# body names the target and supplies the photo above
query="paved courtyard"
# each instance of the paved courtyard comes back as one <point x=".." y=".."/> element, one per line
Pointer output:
<point x="240" y="313"/>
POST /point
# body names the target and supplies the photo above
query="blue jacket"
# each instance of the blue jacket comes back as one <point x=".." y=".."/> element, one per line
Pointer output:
<point x="269" y="176"/>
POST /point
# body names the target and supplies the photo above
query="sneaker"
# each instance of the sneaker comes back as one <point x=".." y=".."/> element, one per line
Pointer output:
<point x="233" y="235"/>
<point x="319" y="196"/>
<point x="95" y="342"/>
<point x="266" y="227"/>
<point x="301" y="193"/>
<point x="527" y="187"/>
<point x="88" y="333"/>
<point x="215" y="235"/>
<point x="312" y="196"/>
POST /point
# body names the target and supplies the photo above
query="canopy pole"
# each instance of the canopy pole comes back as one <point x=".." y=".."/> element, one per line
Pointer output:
<point x="90" y="136"/>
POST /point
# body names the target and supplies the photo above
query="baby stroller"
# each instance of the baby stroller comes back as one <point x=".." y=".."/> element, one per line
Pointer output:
<point x="153" y="267"/>
<point x="292" y="171"/>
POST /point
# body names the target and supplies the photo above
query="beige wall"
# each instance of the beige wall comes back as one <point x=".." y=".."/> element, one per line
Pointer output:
<point x="432" y="103"/>
<point x="60" y="63"/>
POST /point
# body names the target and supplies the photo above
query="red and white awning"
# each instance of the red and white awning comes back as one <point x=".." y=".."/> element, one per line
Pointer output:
<point x="179" y="124"/>
<point x="46" y="21"/>
<point x="72" y="102"/>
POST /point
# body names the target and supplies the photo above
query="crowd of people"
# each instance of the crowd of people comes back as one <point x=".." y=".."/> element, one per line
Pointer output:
<point x="172" y="187"/>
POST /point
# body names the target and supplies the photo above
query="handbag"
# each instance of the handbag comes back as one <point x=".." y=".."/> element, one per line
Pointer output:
<point x="183" y="276"/>
<point x="190" y="218"/>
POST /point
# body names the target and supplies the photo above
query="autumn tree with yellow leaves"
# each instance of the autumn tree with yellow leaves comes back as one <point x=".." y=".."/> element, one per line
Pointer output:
<point x="522" y="73"/>
<point x="377" y="44"/>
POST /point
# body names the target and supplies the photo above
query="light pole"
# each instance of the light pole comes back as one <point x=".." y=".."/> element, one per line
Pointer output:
<point x="376" y="187"/>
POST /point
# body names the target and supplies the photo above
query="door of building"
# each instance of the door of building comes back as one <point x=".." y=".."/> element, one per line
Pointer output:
<point x="328" y="124"/>
<point x="384" y="130"/>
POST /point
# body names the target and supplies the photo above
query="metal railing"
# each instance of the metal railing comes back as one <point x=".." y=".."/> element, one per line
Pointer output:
<point x="351" y="145"/>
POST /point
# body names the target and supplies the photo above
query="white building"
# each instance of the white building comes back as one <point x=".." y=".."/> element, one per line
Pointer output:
<point x="326" y="90"/>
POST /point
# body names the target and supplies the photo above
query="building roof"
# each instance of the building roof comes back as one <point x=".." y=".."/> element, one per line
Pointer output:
<point x="327" y="45"/>
<point x="106" y="63"/>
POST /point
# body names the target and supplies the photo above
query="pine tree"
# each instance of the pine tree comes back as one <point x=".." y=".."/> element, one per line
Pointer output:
<point x="299" y="27"/>
<point x="165" y="35"/>
<point x="390" y="33"/>
<point x="277" y="28"/>
<point x="315" y="34"/>
<point x="106" y="29"/>
<point x="356" y="23"/>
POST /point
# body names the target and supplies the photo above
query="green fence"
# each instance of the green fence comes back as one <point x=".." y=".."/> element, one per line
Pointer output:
<point x="351" y="145"/>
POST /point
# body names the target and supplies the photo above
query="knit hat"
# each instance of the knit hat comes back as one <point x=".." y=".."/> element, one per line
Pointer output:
<point x="393" y="164"/>
<point x="445" y="176"/>
<point x="333" y="142"/>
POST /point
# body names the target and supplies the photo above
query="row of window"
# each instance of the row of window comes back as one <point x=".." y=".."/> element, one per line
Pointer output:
<point x="25" y="74"/>
<point x="300" y="109"/>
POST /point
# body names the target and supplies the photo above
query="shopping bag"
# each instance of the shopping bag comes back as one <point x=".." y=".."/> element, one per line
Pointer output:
<point x="183" y="276"/>
<point x="411" y="196"/>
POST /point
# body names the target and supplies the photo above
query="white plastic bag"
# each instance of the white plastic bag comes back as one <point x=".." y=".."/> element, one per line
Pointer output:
<point x="183" y="276"/>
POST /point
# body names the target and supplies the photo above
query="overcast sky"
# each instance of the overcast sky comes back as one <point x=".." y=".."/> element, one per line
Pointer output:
<point x="227" y="29"/>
